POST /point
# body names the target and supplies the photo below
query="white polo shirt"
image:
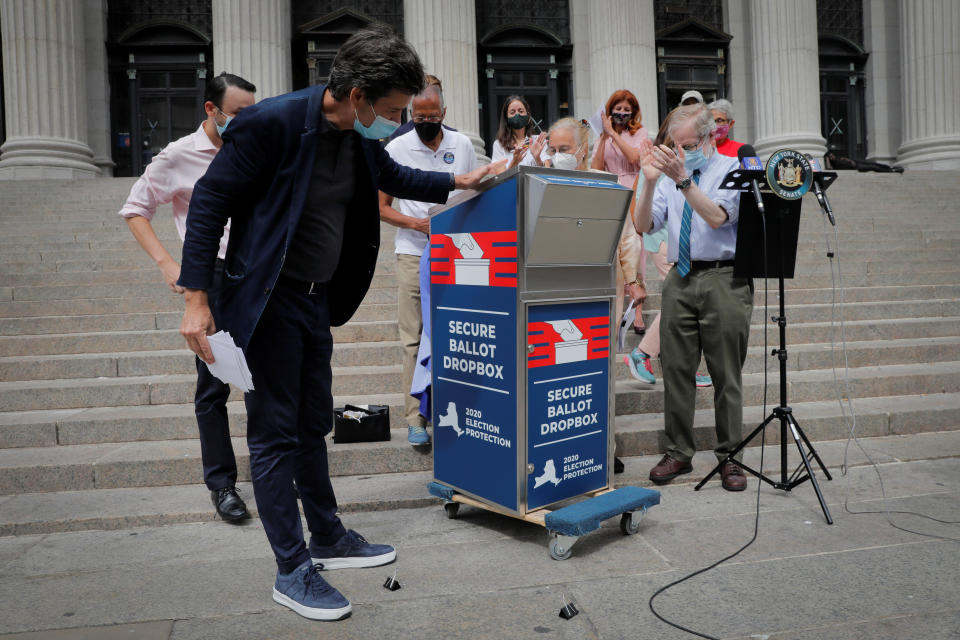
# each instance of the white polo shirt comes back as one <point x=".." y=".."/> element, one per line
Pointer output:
<point x="454" y="155"/>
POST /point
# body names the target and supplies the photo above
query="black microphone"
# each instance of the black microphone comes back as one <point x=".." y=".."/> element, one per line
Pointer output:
<point x="819" y="192"/>
<point x="745" y="153"/>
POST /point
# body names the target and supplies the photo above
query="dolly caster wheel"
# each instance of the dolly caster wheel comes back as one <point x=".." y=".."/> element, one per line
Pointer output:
<point x="558" y="552"/>
<point x="629" y="524"/>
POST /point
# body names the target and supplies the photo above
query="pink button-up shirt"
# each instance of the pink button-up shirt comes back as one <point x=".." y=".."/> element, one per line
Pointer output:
<point x="615" y="162"/>
<point x="169" y="178"/>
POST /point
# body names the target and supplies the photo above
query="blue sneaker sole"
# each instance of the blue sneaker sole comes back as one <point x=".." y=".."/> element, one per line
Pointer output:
<point x="313" y="613"/>
<point x="357" y="562"/>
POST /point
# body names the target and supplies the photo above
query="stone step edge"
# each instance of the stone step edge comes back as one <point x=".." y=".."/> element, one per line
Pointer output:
<point x="874" y="416"/>
<point x="391" y="324"/>
<point x="810" y="347"/>
<point x="117" y="509"/>
<point x="949" y="366"/>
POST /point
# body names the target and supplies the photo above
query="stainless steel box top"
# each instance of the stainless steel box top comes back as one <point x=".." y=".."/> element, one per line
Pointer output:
<point x="573" y="220"/>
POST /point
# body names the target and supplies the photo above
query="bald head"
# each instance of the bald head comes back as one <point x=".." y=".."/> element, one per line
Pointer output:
<point x="430" y="99"/>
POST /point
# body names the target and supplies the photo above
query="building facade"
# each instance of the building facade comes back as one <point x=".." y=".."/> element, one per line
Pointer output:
<point x="97" y="87"/>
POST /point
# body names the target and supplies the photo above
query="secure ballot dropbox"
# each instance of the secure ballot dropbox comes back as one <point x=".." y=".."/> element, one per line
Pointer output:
<point x="522" y="287"/>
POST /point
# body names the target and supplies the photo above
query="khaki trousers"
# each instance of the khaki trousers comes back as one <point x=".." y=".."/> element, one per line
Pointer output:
<point x="707" y="312"/>
<point x="410" y="324"/>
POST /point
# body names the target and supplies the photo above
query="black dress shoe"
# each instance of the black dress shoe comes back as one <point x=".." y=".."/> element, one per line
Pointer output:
<point x="229" y="505"/>
<point x="617" y="465"/>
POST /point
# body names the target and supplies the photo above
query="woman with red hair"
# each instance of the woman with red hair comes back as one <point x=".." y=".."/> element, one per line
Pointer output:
<point x="619" y="151"/>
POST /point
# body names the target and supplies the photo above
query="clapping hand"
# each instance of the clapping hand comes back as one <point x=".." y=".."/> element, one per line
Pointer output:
<point x="607" y="125"/>
<point x="536" y="148"/>
<point x="518" y="154"/>
<point x="669" y="162"/>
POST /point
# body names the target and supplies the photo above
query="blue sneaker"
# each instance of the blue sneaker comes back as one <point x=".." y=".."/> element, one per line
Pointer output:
<point x="640" y="367"/>
<point x="417" y="436"/>
<point x="305" y="591"/>
<point x="704" y="381"/>
<point x="352" y="552"/>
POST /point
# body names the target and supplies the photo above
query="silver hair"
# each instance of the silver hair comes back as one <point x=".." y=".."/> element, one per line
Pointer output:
<point x="723" y="106"/>
<point x="580" y="133"/>
<point x="703" y="121"/>
<point x="428" y="92"/>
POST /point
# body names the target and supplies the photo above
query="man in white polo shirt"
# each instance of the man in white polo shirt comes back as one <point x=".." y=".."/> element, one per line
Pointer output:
<point x="429" y="147"/>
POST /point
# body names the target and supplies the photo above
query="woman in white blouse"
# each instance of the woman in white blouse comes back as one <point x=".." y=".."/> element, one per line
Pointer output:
<point x="515" y="136"/>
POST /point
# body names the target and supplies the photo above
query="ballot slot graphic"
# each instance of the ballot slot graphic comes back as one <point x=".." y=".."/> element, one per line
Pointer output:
<point x="478" y="258"/>
<point x="568" y="340"/>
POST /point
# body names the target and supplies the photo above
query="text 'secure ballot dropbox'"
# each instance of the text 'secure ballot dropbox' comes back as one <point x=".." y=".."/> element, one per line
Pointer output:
<point x="522" y="288"/>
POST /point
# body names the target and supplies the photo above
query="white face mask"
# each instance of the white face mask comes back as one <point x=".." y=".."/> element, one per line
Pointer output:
<point x="565" y="161"/>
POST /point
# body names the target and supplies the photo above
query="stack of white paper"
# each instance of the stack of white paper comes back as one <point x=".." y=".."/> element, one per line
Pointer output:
<point x="229" y="364"/>
<point x="596" y="121"/>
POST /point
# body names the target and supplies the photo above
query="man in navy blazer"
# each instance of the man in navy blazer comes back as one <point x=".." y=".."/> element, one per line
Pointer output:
<point x="298" y="176"/>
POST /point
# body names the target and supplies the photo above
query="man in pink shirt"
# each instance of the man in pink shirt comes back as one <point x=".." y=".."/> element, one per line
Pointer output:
<point x="169" y="178"/>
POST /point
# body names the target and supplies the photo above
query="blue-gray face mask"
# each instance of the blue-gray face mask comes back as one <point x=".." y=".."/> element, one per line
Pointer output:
<point x="379" y="129"/>
<point x="222" y="127"/>
<point x="694" y="160"/>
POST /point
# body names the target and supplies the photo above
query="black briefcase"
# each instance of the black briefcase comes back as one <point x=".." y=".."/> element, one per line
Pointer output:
<point x="373" y="425"/>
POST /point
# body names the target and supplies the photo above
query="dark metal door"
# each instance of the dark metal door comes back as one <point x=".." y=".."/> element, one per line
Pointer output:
<point x="842" y="109"/>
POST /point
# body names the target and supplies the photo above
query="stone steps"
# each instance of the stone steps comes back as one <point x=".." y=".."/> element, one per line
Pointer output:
<point x="386" y="331"/>
<point x="102" y="406"/>
<point x="96" y="385"/>
<point x="944" y="274"/>
<point x="181" y="362"/>
<point x="387" y="312"/>
<point x="164" y="301"/>
<point x="129" y="508"/>
<point x="142" y="273"/>
<point x="154" y="463"/>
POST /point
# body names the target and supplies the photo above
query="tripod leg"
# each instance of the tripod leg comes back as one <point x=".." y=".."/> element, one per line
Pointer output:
<point x="813" y="451"/>
<point x="738" y="449"/>
<point x="794" y="428"/>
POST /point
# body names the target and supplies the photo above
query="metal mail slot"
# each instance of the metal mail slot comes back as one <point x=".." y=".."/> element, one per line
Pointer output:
<point x="573" y="241"/>
<point x="573" y="219"/>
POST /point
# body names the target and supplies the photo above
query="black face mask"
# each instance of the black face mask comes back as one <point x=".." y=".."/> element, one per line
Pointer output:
<point x="621" y="118"/>
<point x="518" y="121"/>
<point x="427" y="130"/>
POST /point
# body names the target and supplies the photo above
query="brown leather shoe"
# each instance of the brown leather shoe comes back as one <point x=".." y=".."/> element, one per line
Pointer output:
<point x="733" y="477"/>
<point x="669" y="468"/>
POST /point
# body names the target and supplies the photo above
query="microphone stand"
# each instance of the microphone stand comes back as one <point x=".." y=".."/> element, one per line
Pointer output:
<point x="748" y="181"/>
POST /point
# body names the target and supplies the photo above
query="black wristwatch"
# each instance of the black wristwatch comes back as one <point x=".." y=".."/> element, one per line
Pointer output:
<point x="685" y="183"/>
<point x="453" y="182"/>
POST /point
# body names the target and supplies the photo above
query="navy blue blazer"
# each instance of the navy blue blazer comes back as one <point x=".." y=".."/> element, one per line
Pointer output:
<point x="259" y="180"/>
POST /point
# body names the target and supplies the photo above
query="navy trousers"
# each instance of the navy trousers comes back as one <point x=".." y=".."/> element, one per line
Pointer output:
<point x="210" y="406"/>
<point x="289" y="413"/>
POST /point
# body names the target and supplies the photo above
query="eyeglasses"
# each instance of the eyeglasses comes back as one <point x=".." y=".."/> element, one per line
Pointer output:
<point x="720" y="121"/>
<point x="431" y="119"/>
<point x="693" y="147"/>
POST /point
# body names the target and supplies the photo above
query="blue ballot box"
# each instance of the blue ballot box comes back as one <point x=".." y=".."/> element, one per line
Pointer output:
<point x="523" y="284"/>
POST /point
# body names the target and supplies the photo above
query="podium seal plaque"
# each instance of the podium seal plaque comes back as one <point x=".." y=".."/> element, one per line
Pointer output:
<point x="789" y="174"/>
